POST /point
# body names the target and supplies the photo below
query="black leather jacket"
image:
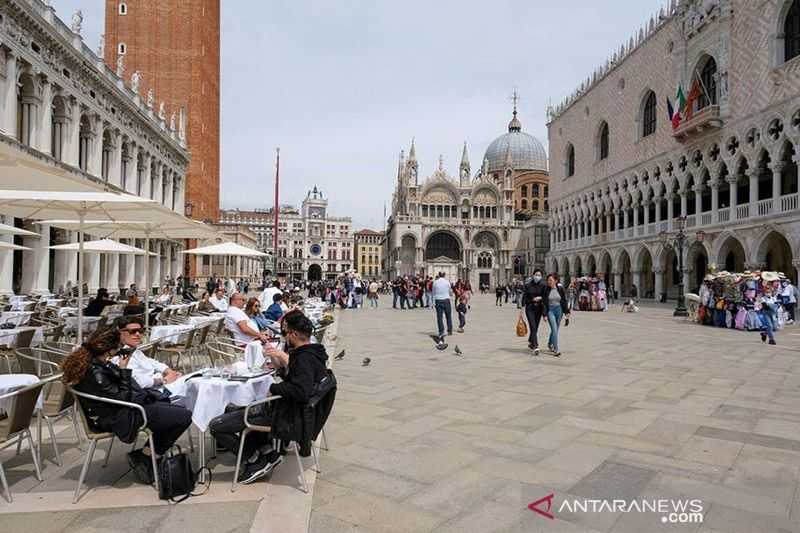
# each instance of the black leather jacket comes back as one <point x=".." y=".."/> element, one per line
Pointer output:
<point x="533" y="290"/>
<point x="110" y="381"/>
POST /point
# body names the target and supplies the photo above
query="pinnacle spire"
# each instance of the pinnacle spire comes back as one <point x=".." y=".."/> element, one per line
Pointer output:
<point x="464" y="155"/>
<point x="412" y="153"/>
<point x="515" y="124"/>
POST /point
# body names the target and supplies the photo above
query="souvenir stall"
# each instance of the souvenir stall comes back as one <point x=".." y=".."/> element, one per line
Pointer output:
<point x="590" y="294"/>
<point x="733" y="300"/>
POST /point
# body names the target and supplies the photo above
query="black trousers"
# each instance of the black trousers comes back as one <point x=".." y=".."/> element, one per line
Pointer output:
<point x="227" y="429"/>
<point x="534" y="314"/>
<point x="167" y="422"/>
<point x="444" y="310"/>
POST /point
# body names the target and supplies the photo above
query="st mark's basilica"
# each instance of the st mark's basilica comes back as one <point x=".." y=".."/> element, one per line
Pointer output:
<point x="483" y="226"/>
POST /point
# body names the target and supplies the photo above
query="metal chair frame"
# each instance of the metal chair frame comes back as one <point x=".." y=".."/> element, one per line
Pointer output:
<point x="94" y="437"/>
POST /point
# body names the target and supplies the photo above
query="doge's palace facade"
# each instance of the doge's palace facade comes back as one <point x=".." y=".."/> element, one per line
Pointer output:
<point x="79" y="125"/>
<point x="621" y="174"/>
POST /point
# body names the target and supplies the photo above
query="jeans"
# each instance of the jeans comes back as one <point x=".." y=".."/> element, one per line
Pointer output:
<point x="428" y="298"/>
<point x="768" y="322"/>
<point x="227" y="427"/>
<point x="167" y="422"/>
<point x="443" y="308"/>
<point x="534" y="314"/>
<point x="373" y="302"/>
<point x="404" y="301"/>
<point x="554" y="315"/>
<point x="462" y="319"/>
<point x="395" y="297"/>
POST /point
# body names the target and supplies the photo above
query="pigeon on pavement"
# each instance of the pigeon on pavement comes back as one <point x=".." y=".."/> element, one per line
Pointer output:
<point x="458" y="351"/>
<point x="366" y="361"/>
<point x="339" y="356"/>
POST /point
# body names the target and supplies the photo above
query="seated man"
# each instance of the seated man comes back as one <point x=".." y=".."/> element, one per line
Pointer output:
<point x="147" y="372"/>
<point x="219" y="301"/>
<point x="98" y="303"/>
<point x="275" y="311"/>
<point x="301" y="368"/>
<point x="243" y="328"/>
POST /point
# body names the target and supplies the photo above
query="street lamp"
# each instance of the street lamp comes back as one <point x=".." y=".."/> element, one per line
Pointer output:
<point x="677" y="242"/>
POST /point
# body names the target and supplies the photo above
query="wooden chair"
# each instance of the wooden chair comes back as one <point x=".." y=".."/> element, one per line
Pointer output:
<point x="17" y="425"/>
<point x="96" y="436"/>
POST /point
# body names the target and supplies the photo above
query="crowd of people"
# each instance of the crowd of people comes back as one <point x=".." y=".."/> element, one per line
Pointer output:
<point x="110" y="364"/>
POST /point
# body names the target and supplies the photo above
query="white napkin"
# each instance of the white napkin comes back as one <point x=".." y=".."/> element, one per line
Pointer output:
<point x="253" y="355"/>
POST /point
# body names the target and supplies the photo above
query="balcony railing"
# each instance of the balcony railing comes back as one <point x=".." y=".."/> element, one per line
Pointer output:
<point x="651" y="229"/>
<point x="764" y="207"/>
<point x="691" y="221"/>
<point x="702" y="121"/>
<point x="724" y="214"/>
<point x="664" y="225"/>
<point x="789" y="202"/>
<point x="639" y="230"/>
<point x="705" y="219"/>
<point x="742" y="211"/>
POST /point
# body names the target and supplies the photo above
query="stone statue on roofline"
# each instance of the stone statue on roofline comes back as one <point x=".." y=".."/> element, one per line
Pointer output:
<point x="120" y="66"/>
<point x="150" y="98"/>
<point x="172" y="121"/>
<point x="77" y="22"/>
<point x="101" y="49"/>
<point x="161" y="112"/>
<point x="136" y="78"/>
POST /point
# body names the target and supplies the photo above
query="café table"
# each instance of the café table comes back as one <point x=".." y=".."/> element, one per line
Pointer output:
<point x="11" y="382"/>
<point x="8" y="337"/>
<point x="18" y="318"/>
<point x="170" y="333"/>
<point x="207" y="398"/>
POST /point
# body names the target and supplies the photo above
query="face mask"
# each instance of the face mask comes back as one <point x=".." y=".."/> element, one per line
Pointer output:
<point x="537" y="279"/>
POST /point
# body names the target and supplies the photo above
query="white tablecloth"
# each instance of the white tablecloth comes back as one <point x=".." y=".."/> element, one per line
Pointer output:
<point x="67" y="311"/>
<point x="18" y="318"/>
<point x="19" y="305"/>
<point x="207" y="397"/>
<point x="8" y="337"/>
<point x="170" y="333"/>
<point x="17" y="298"/>
<point x="54" y="302"/>
<point x="9" y="382"/>
<point x="203" y="320"/>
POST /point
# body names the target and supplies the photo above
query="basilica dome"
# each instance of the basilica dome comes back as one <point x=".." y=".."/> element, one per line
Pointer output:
<point x="527" y="153"/>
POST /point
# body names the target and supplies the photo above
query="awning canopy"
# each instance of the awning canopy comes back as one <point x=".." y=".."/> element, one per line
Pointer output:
<point x="5" y="229"/>
<point x="101" y="246"/>
<point x="225" y="249"/>
<point x="40" y="205"/>
<point x="5" y="246"/>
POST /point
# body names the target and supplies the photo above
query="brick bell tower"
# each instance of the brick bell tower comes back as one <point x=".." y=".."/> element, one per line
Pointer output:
<point x="175" y="44"/>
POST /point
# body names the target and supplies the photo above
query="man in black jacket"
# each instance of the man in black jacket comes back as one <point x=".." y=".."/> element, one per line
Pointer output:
<point x="533" y="299"/>
<point x="301" y="368"/>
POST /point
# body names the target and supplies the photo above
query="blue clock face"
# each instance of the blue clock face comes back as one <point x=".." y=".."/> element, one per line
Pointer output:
<point x="316" y="249"/>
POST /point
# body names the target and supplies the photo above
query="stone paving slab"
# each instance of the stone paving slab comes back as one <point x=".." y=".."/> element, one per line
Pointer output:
<point x="639" y="406"/>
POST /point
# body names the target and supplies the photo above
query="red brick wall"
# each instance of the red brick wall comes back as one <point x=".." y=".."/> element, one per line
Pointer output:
<point x="176" y="45"/>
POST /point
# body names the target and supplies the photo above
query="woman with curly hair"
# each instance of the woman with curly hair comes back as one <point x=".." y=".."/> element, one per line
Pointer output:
<point x="89" y="369"/>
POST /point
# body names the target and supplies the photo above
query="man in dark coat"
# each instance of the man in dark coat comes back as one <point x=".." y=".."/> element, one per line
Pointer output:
<point x="533" y="298"/>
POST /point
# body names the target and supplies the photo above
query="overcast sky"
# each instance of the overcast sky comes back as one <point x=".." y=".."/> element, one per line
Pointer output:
<point x="343" y="86"/>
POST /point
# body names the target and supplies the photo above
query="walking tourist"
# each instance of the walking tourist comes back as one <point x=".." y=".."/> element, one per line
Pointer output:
<point x="372" y="294"/>
<point x="768" y="313"/>
<point x="461" y="309"/>
<point x="789" y="294"/>
<point x="533" y="300"/>
<point x="89" y="369"/>
<point x="499" y="292"/>
<point x="556" y="309"/>
<point x="441" y="298"/>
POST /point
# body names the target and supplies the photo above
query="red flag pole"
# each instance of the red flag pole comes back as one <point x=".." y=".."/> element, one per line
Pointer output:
<point x="277" y="208"/>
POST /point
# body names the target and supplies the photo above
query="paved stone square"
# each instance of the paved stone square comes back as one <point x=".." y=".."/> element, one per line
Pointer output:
<point x="640" y="406"/>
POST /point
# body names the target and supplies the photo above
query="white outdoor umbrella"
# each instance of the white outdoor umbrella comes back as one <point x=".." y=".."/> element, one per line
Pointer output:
<point x="8" y="246"/>
<point x="164" y="224"/>
<point x="78" y="206"/>
<point x="101" y="246"/>
<point x="5" y="229"/>
<point x="226" y="249"/>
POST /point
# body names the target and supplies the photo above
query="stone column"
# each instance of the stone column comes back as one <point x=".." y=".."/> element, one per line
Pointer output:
<point x="684" y="208"/>
<point x="96" y="148"/>
<point x="625" y="216"/>
<point x="36" y="262"/>
<point x="115" y="167"/>
<point x="608" y="222"/>
<point x="138" y="266"/>
<point x="659" y="285"/>
<point x="657" y="201"/>
<point x="7" y="259"/>
<point x="8" y="117"/>
<point x="714" y="201"/>
<point x="796" y="265"/>
<point x="618" y="282"/>
<point x="91" y="271"/>
<point x="646" y="206"/>
<point x="66" y="264"/>
<point x="733" y="182"/>
<point x="616" y="220"/>
<point x="636" y="278"/>
<point x="777" y="170"/>
<point x="127" y="272"/>
<point x="45" y="141"/>
<point x="698" y="201"/>
<point x="635" y="206"/>
<point x="670" y="210"/>
<point x="155" y="267"/>
<point x="72" y="127"/>
<point x="753" y="175"/>
<point x="112" y="272"/>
